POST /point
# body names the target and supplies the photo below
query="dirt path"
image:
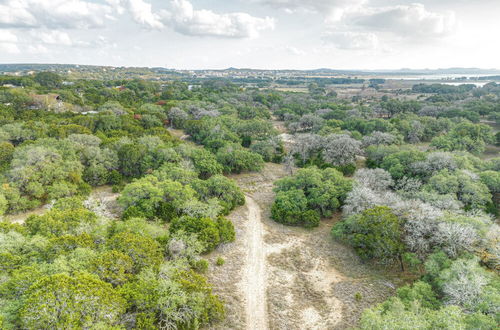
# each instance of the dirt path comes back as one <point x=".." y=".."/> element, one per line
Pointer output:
<point x="255" y="277"/>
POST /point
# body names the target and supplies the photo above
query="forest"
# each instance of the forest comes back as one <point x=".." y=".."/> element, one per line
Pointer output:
<point x="411" y="179"/>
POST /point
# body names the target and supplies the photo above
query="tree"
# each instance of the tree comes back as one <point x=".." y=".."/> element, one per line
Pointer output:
<point x="60" y="222"/>
<point x="375" y="233"/>
<point x="393" y="314"/>
<point x="113" y="267"/>
<point x="144" y="195"/>
<point x="209" y="232"/>
<point x="173" y="298"/>
<point x="144" y="251"/>
<point x="465" y="136"/>
<point x="324" y="192"/>
<point x="376" y="179"/>
<point x="237" y="160"/>
<point x="379" y="138"/>
<point x="44" y="173"/>
<point x="271" y="150"/>
<point x="290" y="208"/>
<point x="492" y="180"/>
<point x="341" y="150"/>
<point x="177" y="117"/>
<point x="112" y="107"/>
<point x="62" y="301"/>
<point x="6" y="154"/>
<point x="205" y="163"/>
<point x="463" y="283"/>
<point x="48" y="79"/>
<point x="225" y="190"/>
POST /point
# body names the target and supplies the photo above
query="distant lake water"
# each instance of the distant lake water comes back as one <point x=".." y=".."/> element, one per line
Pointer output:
<point x="447" y="79"/>
<point x="476" y="83"/>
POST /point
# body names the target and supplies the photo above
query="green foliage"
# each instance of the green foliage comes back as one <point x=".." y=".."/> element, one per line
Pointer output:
<point x="225" y="190"/>
<point x="205" y="163"/>
<point x="144" y="251"/>
<point x="465" y="136"/>
<point x="62" y="301"/>
<point x="173" y="299"/>
<point x="6" y="154"/>
<point x="138" y="273"/>
<point x="375" y="234"/>
<point x="209" y="232"/>
<point x="238" y="160"/>
<point x="399" y="164"/>
<point x="468" y="189"/>
<point x="113" y="267"/>
<point x="393" y="314"/>
<point x="60" y="222"/>
<point x="290" y="208"/>
<point x="220" y="261"/>
<point x="308" y="195"/>
<point x="48" y="79"/>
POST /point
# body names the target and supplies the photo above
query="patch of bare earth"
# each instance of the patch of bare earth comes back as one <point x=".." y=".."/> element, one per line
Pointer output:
<point x="310" y="281"/>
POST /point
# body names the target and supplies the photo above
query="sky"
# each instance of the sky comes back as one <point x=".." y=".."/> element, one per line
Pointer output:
<point x="260" y="34"/>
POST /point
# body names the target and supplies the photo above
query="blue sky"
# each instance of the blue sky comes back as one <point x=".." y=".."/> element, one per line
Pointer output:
<point x="268" y="34"/>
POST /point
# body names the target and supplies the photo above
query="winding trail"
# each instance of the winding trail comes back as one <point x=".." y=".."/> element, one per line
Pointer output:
<point x="255" y="276"/>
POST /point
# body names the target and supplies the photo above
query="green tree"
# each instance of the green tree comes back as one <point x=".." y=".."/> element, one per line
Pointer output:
<point x="290" y="208"/>
<point x="143" y="250"/>
<point x="209" y="232"/>
<point x="63" y="302"/>
<point x="48" y="79"/>
<point x="375" y="233"/>
<point x="113" y="267"/>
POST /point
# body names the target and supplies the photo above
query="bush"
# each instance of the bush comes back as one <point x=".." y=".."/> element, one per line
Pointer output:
<point x="200" y="266"/>
<point x="209" y="232"/>
<point x="310" y="194"/>
<point x="237" y="160"/>
<point x="375" y="233"/>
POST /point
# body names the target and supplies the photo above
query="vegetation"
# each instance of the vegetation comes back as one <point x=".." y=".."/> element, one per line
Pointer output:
<point x="408" y="172"/>
<point x="309" y="195"/>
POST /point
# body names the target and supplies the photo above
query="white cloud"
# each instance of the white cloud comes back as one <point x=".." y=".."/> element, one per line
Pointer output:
<point x="37" y="49"/>
<point x="142" y="13"/>
<point x="54" y="37"/>
<point x="53" y="13"/>
<point x="332" y="9"/>
<point x="7" y="36"/>
<point x="9" y="48"/>
<point x="412" y="20"/>
<point x="8" y="42"/>
<point x="352" y="40"/>
<point x="295" y="51"/>
<point x="184" y="19"/>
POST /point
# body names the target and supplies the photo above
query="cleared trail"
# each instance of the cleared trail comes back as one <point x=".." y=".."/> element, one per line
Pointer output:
<point x="255" y="275"/>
